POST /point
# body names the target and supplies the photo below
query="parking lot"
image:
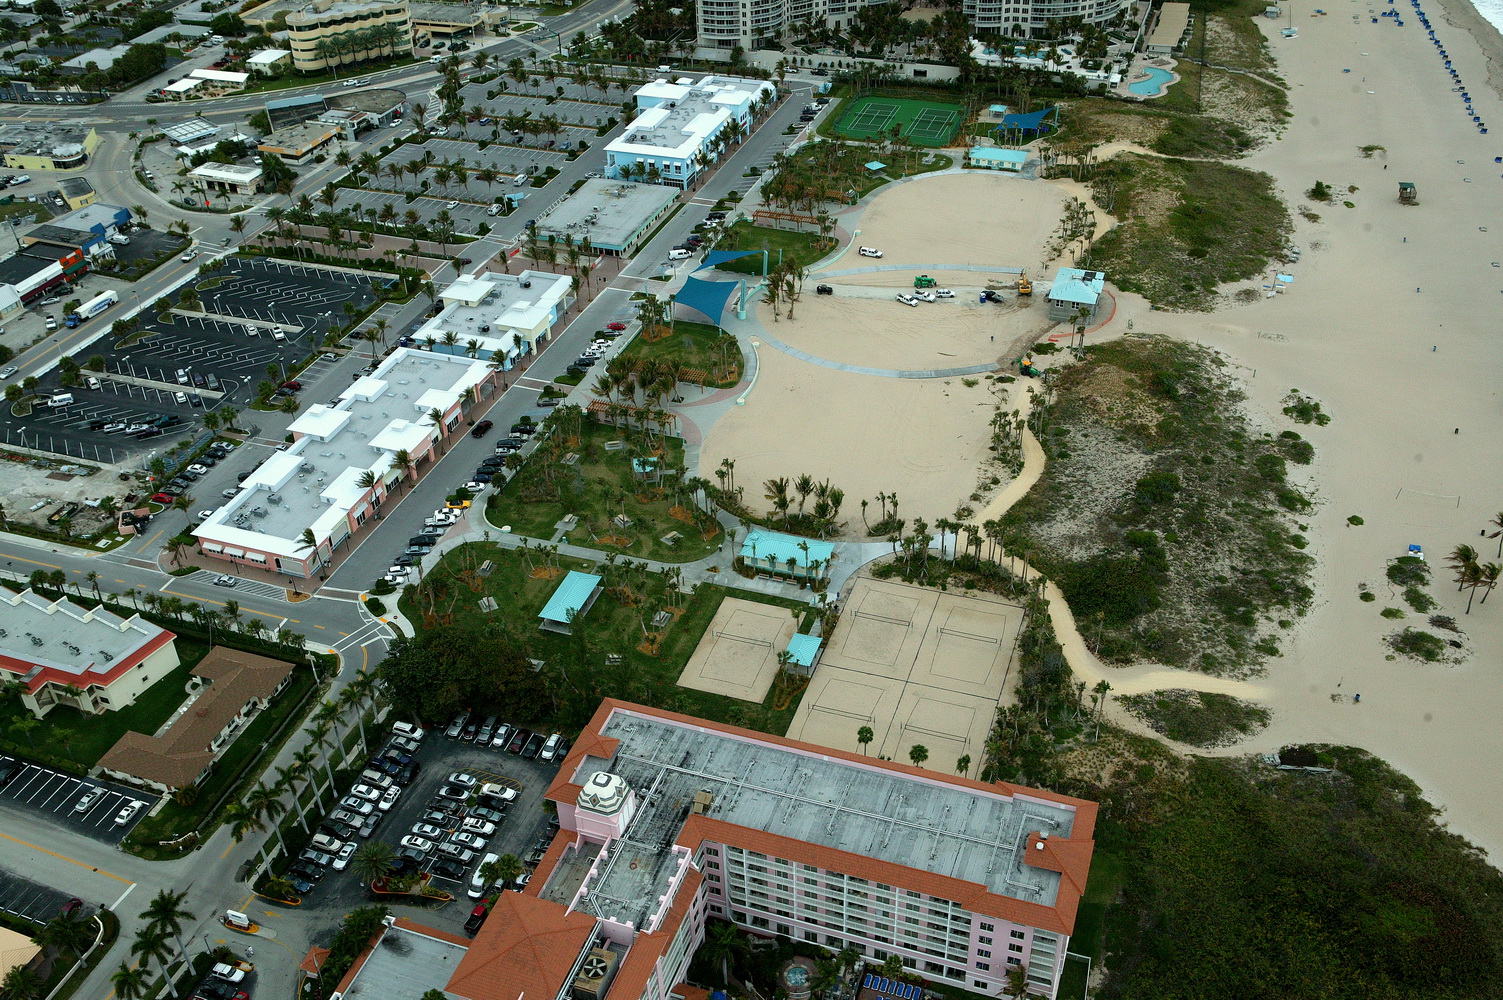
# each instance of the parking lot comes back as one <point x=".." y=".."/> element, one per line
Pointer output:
<point x="468" y="215"/>
<point x="524" y="824"/>
<point x="21" y="897"/>
<point x="222" y="360"/>
<point x="56" y="795"/>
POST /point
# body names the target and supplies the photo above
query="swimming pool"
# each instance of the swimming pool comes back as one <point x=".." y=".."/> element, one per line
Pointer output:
<point x="1157" y="83"/>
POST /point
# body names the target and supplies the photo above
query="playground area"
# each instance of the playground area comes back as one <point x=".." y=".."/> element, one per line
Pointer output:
<point x="925" y="123"/>
<point x="738" y="654"/>
<point x="918" y="666"/>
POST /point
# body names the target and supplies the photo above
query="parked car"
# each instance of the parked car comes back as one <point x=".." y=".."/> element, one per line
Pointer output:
<point x="405" y="776"/>
<point x="128" y="813"/>
<point x="457" y="725"/>
<point x="358" y="806"/>
<point x="479" y="826"/>
<point x="317" y="857"/>
<point x="455" y="793"/>
<point x="518" y="740"/>
<point x="485" y="814"/>
<point x="456" y="852"/>
<point x="466" y="838"/>
<point x="418" y="843"/>
<point x="389" y="798"/>
<point x="342" y="859"/>
<point x="427" y="830"/>
<point x="823" y="290"/>
<point x="481" y="428"/>
<point x="447" y="867"/>
<point x="90" y="797"/>
<point x="534" y="746"/>
<point x="462" y="779"/>
<point x="869" y="251"/>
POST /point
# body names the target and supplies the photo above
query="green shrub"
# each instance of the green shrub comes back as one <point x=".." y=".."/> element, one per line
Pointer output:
<point x="1418" y="645"/>
<point x="375" y="606"/>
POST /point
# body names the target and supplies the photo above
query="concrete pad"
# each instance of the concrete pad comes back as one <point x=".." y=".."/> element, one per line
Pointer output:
<point x="738" y="654"/>
<point x="916" y="665"/>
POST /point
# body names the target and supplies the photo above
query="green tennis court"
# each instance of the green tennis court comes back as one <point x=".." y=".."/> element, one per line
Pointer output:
<point x="926" y="123"/>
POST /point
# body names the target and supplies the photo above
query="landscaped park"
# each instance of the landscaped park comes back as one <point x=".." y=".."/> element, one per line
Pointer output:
<point x="633" y="642"/>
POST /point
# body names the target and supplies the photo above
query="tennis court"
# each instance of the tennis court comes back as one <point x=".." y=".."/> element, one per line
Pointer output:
<point x="926" y="123"/>
<point x="738" y="655"/>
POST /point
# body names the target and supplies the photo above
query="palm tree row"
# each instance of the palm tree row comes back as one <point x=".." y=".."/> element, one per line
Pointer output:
<point x="360" y="45"/>
<point x="160" y="940"/>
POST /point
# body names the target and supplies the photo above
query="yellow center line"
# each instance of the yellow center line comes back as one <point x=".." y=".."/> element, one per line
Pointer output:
<point x="344" y="633"/>
<point x="227" y="850"/>
<point x="64" y="857"/>
<point x="318" y="626"/>
<point x="32" y="561"/>
<point x="119" y="581"/>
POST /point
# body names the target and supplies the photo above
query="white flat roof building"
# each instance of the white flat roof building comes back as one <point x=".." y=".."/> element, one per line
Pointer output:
<point x="490" y="314"/>
<point x="615" y="216"/>
<point x="221" y="76"/>
<point x="235" y="177"/>
<point x="314" y="484"/>
<point x="677" y="122"/>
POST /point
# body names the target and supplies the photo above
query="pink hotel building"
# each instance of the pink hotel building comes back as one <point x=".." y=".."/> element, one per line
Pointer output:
<point x="667" y="821"/>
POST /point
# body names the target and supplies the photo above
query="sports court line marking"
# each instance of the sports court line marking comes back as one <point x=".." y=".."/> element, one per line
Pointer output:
<point x="64" y="857"/>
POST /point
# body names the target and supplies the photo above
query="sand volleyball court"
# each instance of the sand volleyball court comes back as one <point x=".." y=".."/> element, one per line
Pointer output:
<point x="738" y="655"/>
<point x="916" y="665"/>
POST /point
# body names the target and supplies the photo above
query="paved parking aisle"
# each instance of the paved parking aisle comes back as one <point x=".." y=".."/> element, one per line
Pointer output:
<point x="57" y="796"/>
<point x="21" y="897"/>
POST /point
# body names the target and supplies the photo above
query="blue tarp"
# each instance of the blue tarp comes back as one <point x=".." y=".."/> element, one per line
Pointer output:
<point x="708" y="297"/>
<point x="720" y="256"/>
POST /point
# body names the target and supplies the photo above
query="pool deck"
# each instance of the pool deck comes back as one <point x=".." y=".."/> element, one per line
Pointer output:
<point x="1140" y="74"/>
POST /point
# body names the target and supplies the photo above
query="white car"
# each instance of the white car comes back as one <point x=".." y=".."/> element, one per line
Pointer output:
<point x="907" y="300"/>
<point x="199" y="468"/>
<point x="88" y="800"/>
<point x="342" y="859"/>
<point x="418" y="844"/>
<point x="389" y="798"/>
<point x="366" y="792"/>
<point x="473" y="841"/>
<point x="204" y="515"/>
<point x="452" y="204"/>
<point x="462" y="779"/>
<point x="925" y="296"/>
<point x="869" y="251"/>
<point x="229" y="973"/>
<point x="8" y="371"/>
<point x="355" y="805"/>
<point x="944" y="293"/>
<point x="427" y="831"/>
<point x="189" y="255"/>
<point x="125" y="815"/>
<point x="225" y="580"/>
<point x="444" y="516"/>
<point x="477" y="825"/>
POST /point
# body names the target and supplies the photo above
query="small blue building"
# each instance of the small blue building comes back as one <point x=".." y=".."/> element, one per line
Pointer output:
<point x="571" y="600"/>
<point x="789" y="555"/>
<point x="1072" y="291"/>
<point x="992" y="158"/>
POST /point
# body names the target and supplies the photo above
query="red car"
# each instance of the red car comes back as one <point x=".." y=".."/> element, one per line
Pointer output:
<point x="161" y="498"/>
<point x="294" y="385"/>
<point x="618" y="327"/>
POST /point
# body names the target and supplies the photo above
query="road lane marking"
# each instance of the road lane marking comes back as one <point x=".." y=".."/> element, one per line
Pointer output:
<point x="75" y="861"/>
<point x="32" y="561"/>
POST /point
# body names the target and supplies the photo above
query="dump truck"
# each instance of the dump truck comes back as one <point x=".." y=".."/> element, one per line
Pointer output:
<point x="924" y="281"/>
<point x="92" y="308"/>
<point x="1407" y="194"/>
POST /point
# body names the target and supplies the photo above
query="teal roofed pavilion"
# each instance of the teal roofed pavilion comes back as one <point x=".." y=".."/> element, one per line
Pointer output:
<point x="573" y="598"/>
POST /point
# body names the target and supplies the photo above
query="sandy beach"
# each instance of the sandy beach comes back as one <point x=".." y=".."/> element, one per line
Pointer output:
<point x="1389" y="325"/>
<point x="925" y="439"/>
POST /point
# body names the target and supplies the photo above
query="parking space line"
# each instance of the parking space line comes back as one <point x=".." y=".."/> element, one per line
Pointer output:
<point x="64" y="857"/>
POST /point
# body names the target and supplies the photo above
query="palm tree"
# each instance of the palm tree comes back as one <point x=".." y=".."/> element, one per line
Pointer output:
<point x="166" y="914"/>
<point x="507" y="868"/>
<point x="372" y="860"/>
<point x="401" y="460"/>
<point x="129" y="983"/>
<point x="1017" y="985"/>
<point x="1497" y="522"/>
<point x="722" y="944"/>
<point x="864" y="735"/>
<point x="151" y="946"/>
<point x="1488" y="578"/>
<point x="918" y="753"/>
<point x="22" y="982"/>
<point x="436" y="418"/>
<point x="67" y="933"/>
<point x="1462" y="558"/>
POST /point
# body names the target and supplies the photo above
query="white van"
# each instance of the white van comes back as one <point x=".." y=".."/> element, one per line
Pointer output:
<point x="677" y="254"/>
<point x="435" y="60"/>
<point x="408" y="730"/>
<point x="92" y="382"/>
<point x="61" y="399"/>
<point x="869" y="251"/>
<point x="478" y="882"/>
<point x="494" y="210"/>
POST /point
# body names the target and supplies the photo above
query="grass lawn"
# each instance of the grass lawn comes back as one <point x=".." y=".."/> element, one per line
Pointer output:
<point x="598" y="487"/>
<point x="610" y="627"/>
<point x="691" y="345"/>
<point x="779" y="243"/>
<point x="257" y="742"/>
<point x="92" y="735"/>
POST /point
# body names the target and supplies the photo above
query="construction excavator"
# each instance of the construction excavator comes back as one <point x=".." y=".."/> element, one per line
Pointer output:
<point x="1025" y="286"/>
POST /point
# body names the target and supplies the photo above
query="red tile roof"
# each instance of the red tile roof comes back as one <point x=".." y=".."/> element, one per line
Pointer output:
<point x="1074" y="858"/>
<point x="1067" y="855"/>
<point x="527" y="947"/>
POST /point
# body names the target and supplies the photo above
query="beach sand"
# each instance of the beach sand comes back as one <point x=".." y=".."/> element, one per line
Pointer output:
<point x="1391" y="325"/>
<point x="923" y="438"/>
<point x="884" y="333"/>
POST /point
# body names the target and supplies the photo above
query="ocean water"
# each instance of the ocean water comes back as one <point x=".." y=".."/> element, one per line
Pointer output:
<point x="1491" y="11"/>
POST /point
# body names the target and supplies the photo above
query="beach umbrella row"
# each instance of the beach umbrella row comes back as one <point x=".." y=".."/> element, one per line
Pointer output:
<point x="1459" y="87"/>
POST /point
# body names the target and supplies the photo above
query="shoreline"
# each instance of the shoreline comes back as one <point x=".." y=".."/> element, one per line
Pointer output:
<point x="1463" y="16"/>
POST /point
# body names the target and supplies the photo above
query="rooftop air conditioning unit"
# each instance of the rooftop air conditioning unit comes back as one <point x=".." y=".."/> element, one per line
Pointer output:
<point x="595" y="975"/>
